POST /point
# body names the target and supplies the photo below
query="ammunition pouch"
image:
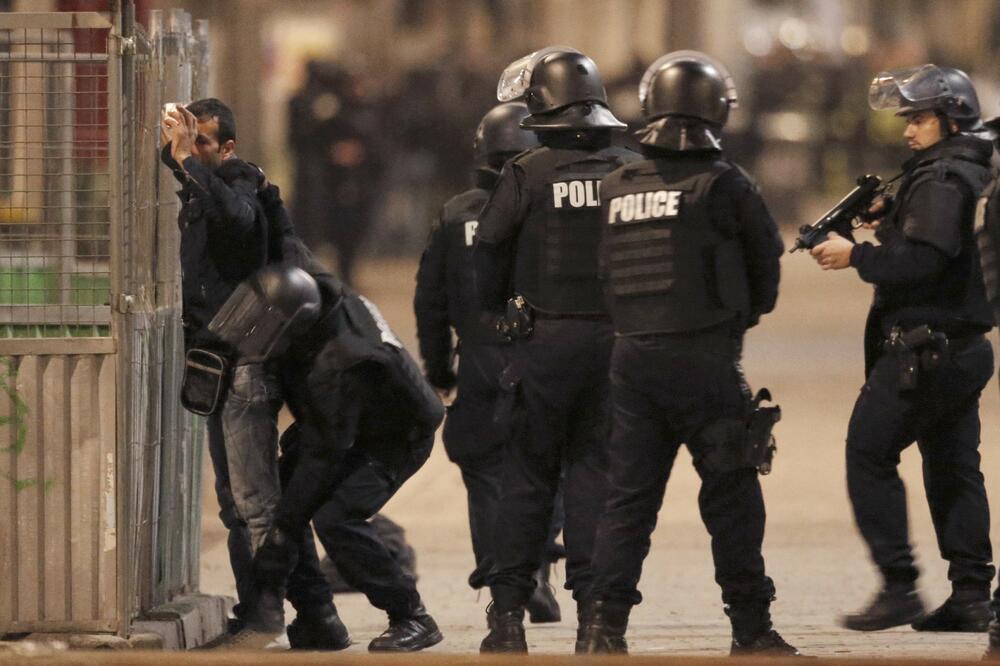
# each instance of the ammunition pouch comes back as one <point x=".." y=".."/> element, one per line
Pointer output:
<point x="518" y="321"/>
<point x="917" y="349"/>
<point x="206" y="379"/>
<point x="727" y="445"/>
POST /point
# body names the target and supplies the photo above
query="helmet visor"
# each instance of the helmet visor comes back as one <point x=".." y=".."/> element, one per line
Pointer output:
<point x="902" y="87"/>
<point x="688" y="56"/>
<point x="516" y="79"/>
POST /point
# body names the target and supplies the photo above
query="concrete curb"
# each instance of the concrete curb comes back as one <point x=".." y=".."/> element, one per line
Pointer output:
<point x="187" y="622"/>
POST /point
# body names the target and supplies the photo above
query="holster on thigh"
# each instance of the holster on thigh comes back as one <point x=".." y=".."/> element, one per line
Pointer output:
<point x="731" y="444"/>
<point x="510" y="413"/>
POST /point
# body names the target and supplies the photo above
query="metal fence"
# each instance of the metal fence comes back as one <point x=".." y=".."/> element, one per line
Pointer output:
<point x="100" y="483"/>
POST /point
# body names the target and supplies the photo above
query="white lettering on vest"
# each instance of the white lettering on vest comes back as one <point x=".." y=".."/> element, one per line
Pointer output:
<point x="470" y="232"/>
<point x="580" y="193"/>
<point x="644" y="206"/>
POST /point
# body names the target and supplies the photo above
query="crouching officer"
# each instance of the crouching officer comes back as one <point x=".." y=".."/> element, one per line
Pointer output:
<point x="987" y="226"/>
<point x="365" y="422"/>
<point x="690" y="258"/>
<point x="926" y="357"/>
<point x="539" y="234"/>
<point x="446" y="299"/>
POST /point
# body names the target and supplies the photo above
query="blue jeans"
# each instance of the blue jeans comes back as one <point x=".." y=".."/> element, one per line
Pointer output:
<point x="243" y="445"/>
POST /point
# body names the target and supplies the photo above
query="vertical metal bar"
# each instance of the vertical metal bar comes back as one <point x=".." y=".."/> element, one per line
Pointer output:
<point x="118" y="319"/>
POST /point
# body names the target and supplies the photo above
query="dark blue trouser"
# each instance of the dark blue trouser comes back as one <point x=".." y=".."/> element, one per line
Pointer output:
<point x="559" y="428"/>
<point x="665" y="390"/>
<point x="942" y="415"/>
<point x="475" y="443"/>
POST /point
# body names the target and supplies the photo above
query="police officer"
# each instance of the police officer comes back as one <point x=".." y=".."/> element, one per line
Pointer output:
<point x="365" y="422"/>
<point x="987" y="227"/>
<point x="445" y="299"/>
<point x="690" y="258"/>
<point x="537" y="240"/>
<point x="926" y="357"/>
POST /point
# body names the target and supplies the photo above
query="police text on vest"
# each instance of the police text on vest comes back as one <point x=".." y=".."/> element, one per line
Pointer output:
<point x="644" y="206"/>
<point x="580" y="193"/>
<point x="470" y="232"/>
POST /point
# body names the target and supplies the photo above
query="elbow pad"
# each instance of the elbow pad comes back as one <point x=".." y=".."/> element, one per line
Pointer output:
<point x="933" y="215"/>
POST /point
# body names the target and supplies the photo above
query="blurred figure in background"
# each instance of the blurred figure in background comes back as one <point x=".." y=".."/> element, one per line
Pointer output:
<point x="333" y="131"/>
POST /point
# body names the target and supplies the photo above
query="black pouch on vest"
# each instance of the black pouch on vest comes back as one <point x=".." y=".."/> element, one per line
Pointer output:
<point x="518" y="322"/>
<point x="206" y="377"/>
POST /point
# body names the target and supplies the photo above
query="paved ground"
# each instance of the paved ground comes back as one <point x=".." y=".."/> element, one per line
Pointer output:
<point x="809" y="354"/>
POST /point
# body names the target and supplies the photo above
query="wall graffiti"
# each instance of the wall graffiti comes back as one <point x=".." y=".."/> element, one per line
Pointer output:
<point x="18" y="421"/>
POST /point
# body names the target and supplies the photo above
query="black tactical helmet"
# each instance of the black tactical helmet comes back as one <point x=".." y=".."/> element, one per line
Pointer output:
<point x="686" y="97"/>
<point x="562" y="88"/>
<point x="500" y="132"/>
<point x="267" y="311"/>
<point x="945" y="90"/>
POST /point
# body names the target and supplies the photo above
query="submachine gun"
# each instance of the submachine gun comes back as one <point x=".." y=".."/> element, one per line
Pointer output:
<point x="841" y="217"/>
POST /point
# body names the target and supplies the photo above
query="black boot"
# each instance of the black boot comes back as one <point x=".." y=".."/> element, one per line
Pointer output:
<point x="601" y="628"/>
<point x="408" y="634"/>
<point x="993" y="651"/>
<point x="894" y="605"/>
<point x="506" y="631"/>
<point x="964" y="610"/>
<point x="542" y="606"/>
<point x="753" y="633"/>
<point x="318" y="629"/>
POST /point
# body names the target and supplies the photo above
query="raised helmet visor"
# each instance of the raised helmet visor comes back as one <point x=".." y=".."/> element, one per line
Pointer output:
<point x="903" y="88"/>
<point x="516" y="78"/>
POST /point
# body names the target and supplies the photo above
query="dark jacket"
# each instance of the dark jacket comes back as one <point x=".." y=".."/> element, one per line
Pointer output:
<point x="926" y="269"/>
<point x="224" y="236"/>
<point x="446" y="297"/>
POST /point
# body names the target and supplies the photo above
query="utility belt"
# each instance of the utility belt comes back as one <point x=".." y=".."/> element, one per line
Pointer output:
<point x="922" y="348"/>
<point x="518" y="322"/>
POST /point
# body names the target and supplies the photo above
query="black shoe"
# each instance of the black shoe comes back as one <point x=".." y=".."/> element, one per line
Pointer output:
<point x="769" y="644"/>
<point x="409" y="634"/>
<point x="891" y="607"/>
<point x="602" y="628"/>
<point x="506" y="631"/>
<point x="542" y="606"/>
<point x="993" y="651"/>
<point x="319" y="629"/>
<point x="956" y="614"/>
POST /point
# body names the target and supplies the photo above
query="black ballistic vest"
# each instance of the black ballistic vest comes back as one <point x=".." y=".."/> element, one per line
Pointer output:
<point x="669" y="269"/>
<point x="556" y="264"/>
<point x="459" y="219"/>
<point x="987" y="228"/>
<point x="955" y="300"/>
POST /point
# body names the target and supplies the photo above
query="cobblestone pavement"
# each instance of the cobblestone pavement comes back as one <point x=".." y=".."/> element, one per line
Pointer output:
<point x="809" y="354"/>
